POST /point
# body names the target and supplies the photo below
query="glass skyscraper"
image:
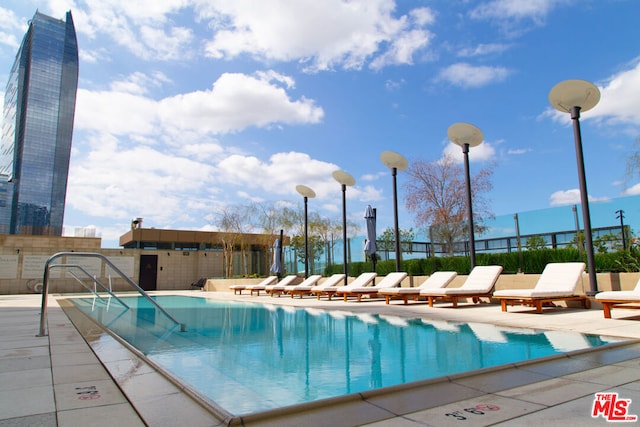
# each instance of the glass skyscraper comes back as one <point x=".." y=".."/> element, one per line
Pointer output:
<point x="39" y="108"/>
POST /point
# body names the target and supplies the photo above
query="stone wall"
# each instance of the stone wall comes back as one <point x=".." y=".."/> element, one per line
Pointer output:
<point x="22" y="261"/>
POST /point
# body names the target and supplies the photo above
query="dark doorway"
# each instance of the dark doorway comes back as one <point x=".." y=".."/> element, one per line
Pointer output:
<point x="148" y="276"/>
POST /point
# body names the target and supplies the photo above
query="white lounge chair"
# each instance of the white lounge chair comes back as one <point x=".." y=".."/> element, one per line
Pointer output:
<point x="277" y="288"/>
<point x="478" y="284"/>
<point x="329" y="282"/>
<point x="237" y="289"/>
<point x="437" y="280"/>
<point x="305" y="285"/>
<point x="391" y="280"/>
<point x="558" y="282"/>
<point x="362" y="280"/>
<point x="618" y="299"/>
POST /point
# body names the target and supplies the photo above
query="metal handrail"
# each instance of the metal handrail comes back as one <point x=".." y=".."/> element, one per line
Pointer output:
<point x="95" y="280"/>
<point x="45" y="287"/>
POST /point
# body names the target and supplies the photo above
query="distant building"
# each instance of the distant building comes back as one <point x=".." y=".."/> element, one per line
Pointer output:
<point x="39" y="108"/>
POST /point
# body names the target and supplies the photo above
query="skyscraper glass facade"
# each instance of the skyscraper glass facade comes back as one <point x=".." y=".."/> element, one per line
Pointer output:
<point x="37" y="128"/>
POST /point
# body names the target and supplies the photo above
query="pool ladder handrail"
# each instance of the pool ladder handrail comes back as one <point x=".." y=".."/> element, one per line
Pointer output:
<point x="45" y="287"/>
<point x="95" y="281"/>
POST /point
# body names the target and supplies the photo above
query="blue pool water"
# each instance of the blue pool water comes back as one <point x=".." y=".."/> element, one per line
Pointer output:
<point x="250" y="357"/>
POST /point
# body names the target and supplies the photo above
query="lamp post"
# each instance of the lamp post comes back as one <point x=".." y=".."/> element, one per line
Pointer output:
<point x="467" y="135"/>
<point x="345" y="180"/>
<point x="519" y="244"/>
<point x="574" y="96"/>
<point x="620" y="215"/>
<point x="395" y="162"/>
<point x="307" y="193"/>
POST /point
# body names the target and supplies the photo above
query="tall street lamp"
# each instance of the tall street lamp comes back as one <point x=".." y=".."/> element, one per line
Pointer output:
<point x="395" y="162"/>
<point x="467" y="135"/>
<point x="574" y="96"/>
<point x="345" y="180"/>
<point x="307" y="193"/>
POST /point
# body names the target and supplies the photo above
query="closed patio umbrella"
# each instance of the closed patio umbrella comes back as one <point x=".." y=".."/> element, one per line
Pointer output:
<point x="370" y="246"/>
<point x="276" y="267"/>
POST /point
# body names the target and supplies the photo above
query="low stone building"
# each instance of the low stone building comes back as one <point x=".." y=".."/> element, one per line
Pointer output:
<point x="155" y="259"/>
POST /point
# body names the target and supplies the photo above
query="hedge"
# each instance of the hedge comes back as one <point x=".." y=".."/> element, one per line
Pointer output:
<point x="530" y="261"/>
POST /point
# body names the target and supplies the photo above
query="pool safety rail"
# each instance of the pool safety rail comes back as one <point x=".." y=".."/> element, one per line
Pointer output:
<point x="45" y="285"/>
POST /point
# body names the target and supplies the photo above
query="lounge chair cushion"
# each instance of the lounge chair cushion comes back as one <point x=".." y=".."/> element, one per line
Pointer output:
<point x="557" y="280"/>
<point x="361" y="281"/>
<point x="437" y="280"/>
<point x="306" y="284"/>
<point x="391" y="280"/>
<point x="633" y="295"/>
<point x="619" y="296"/>
<point x="480" y="281"/>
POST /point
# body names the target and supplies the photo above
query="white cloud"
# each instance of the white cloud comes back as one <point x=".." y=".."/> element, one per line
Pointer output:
<point x="392" y="85"/>
<point x="570" y="197"/>
<point x="516" y="9"/>
<point x="372" y="176"/>
<point x="470" y="76"/>
<point x="619" y="101"/>
<point x="634" y="190"/>
<point x="280" y="174"/>
<point x="321" y="35"/>
<point x="120" y="182"/>
<point x="235" y="102"/>
<point x="139" y="83"/>
<point x="620" y="98"/>
<point x="9" y="26"/>
<point x="483" y="49"/>
<point x="481" y="153"/>
<point x="144" y="27"/>
<point x="518" y="151"/>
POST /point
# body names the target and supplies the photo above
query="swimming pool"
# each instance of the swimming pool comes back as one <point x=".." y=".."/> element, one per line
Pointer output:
<point x="251" y="357"/>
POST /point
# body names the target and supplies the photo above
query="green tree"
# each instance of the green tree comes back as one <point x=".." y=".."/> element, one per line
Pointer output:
<point x="387" y="240"/>
<point x="536" y="243"/>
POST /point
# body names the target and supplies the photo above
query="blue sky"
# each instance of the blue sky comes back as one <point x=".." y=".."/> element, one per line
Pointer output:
<point x="186" y="107"/>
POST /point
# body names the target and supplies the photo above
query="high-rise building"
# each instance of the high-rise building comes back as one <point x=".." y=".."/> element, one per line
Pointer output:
<point x="39" y="107"/>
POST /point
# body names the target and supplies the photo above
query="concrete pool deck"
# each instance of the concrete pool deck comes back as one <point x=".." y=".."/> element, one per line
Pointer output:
<point x="78" y="375"/>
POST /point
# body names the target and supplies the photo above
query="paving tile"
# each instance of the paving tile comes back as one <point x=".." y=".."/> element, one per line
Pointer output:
<point x="346" y="413"/>
<point x="396" y="422"/>
<point x="79" y="373"/>
<point x="23" y="342"/>
<point x="172" y="410"/>
<point x="109" y="349"/>
<point x="573" y="413"/>
<point x="71" y="359"/>
<point x="25" y="379"/>
<point x="607" y="375"/>
<point x="26" y="401"/>
<point x="552" y="392"/>
<point x="69" y="348"/>
<point x="479" y="411"/>
<point x="559" y="366"/>
<point x="39" y="420"/>
<point x="24" y="352"/>
<point x="411" y="400"/>
<point x="120" y="370"/>
<point x="24" y="363"/>
<point x="101" y="416"/>
<point x="149" y="385"/>
<point x="87" y="394"/>
<point x="502" y="379"/>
